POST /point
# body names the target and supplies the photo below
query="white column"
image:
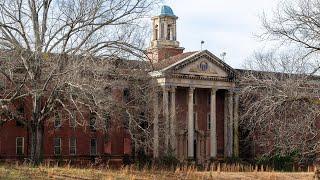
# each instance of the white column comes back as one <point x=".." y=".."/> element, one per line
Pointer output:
<point x="173" y="139"/>
<point x="236" y="125"/>
<point x="213" y="125"/>
<point x="190" y="124"/>
<point x="156" y="126"/>
<point x="166" y="118"/>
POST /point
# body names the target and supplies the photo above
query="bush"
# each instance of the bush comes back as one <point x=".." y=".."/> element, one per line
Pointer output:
<point x="169" y="161"/>
<point x="279" y="162"/>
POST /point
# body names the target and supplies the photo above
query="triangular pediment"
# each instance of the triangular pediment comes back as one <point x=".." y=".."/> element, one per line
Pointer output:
<point x="203" y="63"/>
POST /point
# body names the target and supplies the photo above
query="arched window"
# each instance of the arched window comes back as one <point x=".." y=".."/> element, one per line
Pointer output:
<point x="204" y="66"/>
<point x="169" y="32"/>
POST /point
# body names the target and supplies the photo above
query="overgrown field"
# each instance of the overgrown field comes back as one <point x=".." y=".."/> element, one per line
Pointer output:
<point x="25" y="172"/>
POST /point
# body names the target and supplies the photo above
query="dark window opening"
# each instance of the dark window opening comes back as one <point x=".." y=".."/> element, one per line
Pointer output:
<point x="93" y="147"/>
<point x="169" y="32"/>
<point x="92" y="121"/>
<point x="126" y="95"/>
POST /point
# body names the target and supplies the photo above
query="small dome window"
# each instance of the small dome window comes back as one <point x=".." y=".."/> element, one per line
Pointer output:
<point x="203" y="66"/>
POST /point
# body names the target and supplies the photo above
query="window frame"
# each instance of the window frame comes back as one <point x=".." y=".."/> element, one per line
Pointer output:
<point x="22" y="146"/>
<point x="73" y="146"/>
<point x="54" y="146"/>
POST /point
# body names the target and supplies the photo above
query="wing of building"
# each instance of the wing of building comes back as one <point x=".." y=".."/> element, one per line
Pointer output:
<point x="195" y="109"/>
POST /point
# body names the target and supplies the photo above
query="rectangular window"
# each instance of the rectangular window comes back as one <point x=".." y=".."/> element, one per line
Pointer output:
<point x="93" y="147"/>
<point x="73" y="120"/>
<point x="20" y="145"/>
<point x="73" y="146"/>
<point x="209" y="99"/>
<point x="57" y="121"/>
<point x="194" y="98"/>
<point x="57" y="146"/>
<point x="208" y="121"/>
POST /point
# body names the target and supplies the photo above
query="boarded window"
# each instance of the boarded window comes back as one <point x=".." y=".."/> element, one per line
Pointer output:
<point x="57" y="146"/>
<point x="20" y="145"/>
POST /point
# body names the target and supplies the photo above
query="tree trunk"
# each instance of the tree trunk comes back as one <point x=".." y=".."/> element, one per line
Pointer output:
<point x="36" y="143"/>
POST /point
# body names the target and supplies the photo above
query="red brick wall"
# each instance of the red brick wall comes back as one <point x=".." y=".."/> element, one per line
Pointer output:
<point x="118" y="136"/>
<point x="157" y="55"/>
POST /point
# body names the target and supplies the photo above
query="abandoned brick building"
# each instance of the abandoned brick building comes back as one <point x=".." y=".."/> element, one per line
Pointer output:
<point x="197" y="101"/>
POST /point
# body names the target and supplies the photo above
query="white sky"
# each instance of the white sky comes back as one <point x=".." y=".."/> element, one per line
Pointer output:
<point x="225" y="26"/>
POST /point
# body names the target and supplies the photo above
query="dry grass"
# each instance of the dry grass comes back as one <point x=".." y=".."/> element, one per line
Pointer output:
<point x="26" y="172"/>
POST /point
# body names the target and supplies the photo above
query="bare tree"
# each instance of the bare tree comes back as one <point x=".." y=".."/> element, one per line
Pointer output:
<point x="280" y="99"/>
<point x="295" y="23"/>
<point x="53" y="58"/>
<point x="279" y="105"/>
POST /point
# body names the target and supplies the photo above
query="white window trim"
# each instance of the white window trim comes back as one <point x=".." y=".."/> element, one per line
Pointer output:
<point x="75" y="146"/>
<point x="19" y="146"/>
<point x="54" y="146"/>
<point x="96" y="149"/>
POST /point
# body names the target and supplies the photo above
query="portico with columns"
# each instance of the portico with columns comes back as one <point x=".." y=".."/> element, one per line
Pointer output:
<point x="196" y="105"/>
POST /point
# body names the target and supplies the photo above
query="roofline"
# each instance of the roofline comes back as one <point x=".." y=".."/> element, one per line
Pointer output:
<point x="197" y="53"/>
<point x="178" y="62"/>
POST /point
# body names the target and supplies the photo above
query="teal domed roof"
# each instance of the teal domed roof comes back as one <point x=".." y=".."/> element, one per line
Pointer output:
<point x="166" y="11"/>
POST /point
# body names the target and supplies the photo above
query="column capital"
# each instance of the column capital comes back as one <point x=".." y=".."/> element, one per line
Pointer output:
<point x="173" y="89"/>
<point x="166" y="88"/>
<point x="230" y="92"/>
<point x="191" y="89"/>
<point x="214" y="90"/>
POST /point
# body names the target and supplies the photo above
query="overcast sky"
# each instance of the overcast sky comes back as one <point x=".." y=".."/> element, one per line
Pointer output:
<point x="225" y="26"/>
